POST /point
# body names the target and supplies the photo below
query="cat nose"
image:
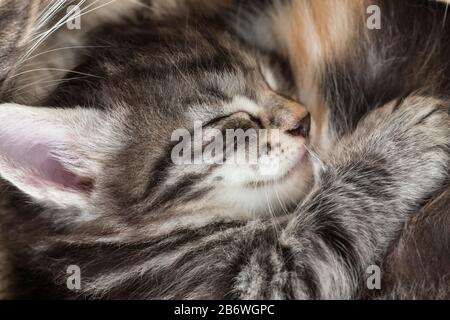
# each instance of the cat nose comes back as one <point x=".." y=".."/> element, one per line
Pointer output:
<point x="300" y="127"/>
<point x="292" y="118"/>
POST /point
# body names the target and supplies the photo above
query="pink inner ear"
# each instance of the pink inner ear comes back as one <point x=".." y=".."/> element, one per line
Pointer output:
<point x="56" y="173"/>
<point x="49" y="170"/>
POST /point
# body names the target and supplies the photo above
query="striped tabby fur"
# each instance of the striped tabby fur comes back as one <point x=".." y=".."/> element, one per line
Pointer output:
<point x="146" y="239"/>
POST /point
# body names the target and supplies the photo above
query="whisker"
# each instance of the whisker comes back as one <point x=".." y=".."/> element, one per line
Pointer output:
<point x="43" y="36"/>
<point x="54" y="69"/>
<point x="93" y="9"/>
<point x="314" y="155"/>
<point x="272" y="212"/>
<point x="140" y="3"/>
<point x="63" y="48"/>
<point x="50" y="82"/>
<point x="445" y="15"/>
<point x="282" y="206"/>
<point x="47" y="15"/>
<point x="58" y="23"/>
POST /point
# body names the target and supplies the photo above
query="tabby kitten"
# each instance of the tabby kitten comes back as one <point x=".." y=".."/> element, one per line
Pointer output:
<point x="344" y="65"/>
<point x="107" y="197"/>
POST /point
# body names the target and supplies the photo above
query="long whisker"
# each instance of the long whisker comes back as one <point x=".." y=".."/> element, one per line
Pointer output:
<point x="44" y="35"/>
<point x="93" y="9"/>
<point x="445" y="15"/>
<point x="140" y="3"/>
<point x="82" y="11"/>
<point x="271" y="211"/>
<point x="46" y="15"/>
<point x="282" y="205"/>
<point x="50" y="82"/>
<point x="63" y="48"/>
<point x="315" y="156"/>
<point x="54" y="69"/>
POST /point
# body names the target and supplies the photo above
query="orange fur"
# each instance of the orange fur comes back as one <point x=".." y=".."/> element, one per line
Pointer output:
<point x="311" y="33"/>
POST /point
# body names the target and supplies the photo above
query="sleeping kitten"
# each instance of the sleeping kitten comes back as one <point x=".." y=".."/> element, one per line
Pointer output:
<point x="108" y="198"/>
<point x="342" y="69"/>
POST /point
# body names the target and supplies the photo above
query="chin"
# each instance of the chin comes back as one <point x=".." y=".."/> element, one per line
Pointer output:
<point x="274" y="197"/>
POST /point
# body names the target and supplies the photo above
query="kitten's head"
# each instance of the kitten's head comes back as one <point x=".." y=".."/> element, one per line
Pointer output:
<point x="176" y="121"/>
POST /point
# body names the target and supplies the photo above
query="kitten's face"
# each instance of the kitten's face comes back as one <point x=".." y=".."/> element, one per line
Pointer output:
<point x="243" y="151"/>
<point x="162" y="143"/>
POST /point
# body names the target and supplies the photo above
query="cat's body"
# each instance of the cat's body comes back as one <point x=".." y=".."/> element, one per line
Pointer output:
<point x="162" y="234"/>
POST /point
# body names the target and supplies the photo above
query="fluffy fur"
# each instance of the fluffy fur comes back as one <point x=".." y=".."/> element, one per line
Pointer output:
<point x="166" y="234"/>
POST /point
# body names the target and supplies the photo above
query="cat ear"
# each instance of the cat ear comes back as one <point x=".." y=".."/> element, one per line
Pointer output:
<point x="50" y="154"/>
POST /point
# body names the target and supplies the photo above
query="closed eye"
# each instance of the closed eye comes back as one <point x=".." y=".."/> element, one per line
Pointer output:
<point x="216" y="120"/>
<point x="252" y="118"/>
